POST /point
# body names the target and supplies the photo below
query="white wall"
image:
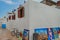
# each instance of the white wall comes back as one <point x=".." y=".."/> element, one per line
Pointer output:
<point x="41" y="15"/>
<point x="37" y="15"/>
<point x="23" y="22"/>
<point x="19" y="23"/>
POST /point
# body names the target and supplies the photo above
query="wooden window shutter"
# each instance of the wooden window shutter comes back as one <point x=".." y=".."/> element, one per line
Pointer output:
<point x="58" y="3"/>
<point x="18" y="13"/>
<point x="9" y="17"/>
<point x="13" y="17"/>
<point x="21" y="12"/>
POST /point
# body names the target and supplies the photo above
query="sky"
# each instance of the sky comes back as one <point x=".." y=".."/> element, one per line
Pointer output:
<point x="8" y="5"/>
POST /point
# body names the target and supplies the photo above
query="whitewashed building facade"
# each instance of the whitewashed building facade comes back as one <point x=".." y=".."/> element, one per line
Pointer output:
<point x="36" y="15"/>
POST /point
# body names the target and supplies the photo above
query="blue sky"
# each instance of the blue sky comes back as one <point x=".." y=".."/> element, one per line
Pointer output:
<point x="8" y="5"/>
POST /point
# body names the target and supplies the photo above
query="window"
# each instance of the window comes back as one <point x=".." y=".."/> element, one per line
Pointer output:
<point x="21" y="12"/>
<point x="58" y="3"/>
<point x="9" y="17"/>
<point x="13" y="17"/>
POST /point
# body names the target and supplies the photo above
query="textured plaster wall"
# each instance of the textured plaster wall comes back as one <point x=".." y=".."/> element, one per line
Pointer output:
<point x="42" y="16"/>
